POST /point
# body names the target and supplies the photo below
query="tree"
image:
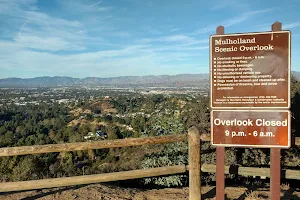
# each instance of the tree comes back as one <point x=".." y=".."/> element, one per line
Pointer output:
<point x="133" y="123"/>
<point x="83" y="129"/>
<point x="295" y="107"/>
<point x="142" y="124"/>
<point x="295" y="86"/>
<point x="89" y="116"/>
<point x="158" y="98"/>
<point x="8" y="138"/>
<point x="75" y="138"/>
<point x="51" y="134"/>
<point x="108" y="118"/>
<point x="67" y="164"/>
<point x="2" y="130"/>
<point x="24" y="169"/>
<point x="111" y="133"/>
<point x="198" y="115"/>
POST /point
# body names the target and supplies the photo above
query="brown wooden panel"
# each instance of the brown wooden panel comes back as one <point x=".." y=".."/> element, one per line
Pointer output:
<point x="250" y="70"/>
<point x="251" y="128"/>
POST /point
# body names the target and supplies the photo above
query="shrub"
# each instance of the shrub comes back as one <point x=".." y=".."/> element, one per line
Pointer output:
<point x="172" y="154"/>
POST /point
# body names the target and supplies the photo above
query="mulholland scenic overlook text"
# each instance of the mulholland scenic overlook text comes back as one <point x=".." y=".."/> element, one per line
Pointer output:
<point x="242" y="47"/>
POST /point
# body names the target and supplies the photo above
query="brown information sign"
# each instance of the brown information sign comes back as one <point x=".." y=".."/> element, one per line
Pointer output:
<point x="250" y="70"/>
<point x="251" y="128"/>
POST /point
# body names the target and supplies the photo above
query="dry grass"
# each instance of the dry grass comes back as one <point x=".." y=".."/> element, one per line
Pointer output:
<point x="285" y="186"/>
<point x="105" y="106"/>
<point x="84" y="121"/>
<point x="253" y="196"/>
<point x="79" y="111"/>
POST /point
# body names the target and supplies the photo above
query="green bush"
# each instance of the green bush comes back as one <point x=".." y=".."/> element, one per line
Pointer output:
<point x="172" y="154"/>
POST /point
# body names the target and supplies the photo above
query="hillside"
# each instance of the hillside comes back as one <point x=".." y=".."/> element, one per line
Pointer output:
<point x="296" y="74"/>
<point x="126" y="81"/>
<point x="180" y="80"/>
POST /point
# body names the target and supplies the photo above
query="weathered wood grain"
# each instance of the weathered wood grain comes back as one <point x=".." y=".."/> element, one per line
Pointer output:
<point x="88" y="179"/>
<point x="49" y="148"/>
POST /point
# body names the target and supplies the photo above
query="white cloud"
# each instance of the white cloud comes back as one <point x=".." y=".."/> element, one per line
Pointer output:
<point x="44" y="19"/>
<point x="233" y="4"/>
<point x="174" y="29"/>
<point x="80" y="6"/>
<point x="180" y="38"/>
<point x="107" y="54"/>
<point x="33" y="47"/>
<point x="50" y="37"/>
<point x="46" y="43"/>
<point x="40" y="31"/>
<point x="15" y="8"/>
<point x="180" y="48"/>
<point x="26" y="10"/>
<point x="95" y="4"/>
<point x="139" y="59"/>
<point x="268" y="27"/>
<point x="122" y="34"/>
<point x="291" y="25"/>
<point x="152" y="30"/>
<point x="232" y="21"/>
<point x="7" y="47"/>
<point x="177" y="38"/>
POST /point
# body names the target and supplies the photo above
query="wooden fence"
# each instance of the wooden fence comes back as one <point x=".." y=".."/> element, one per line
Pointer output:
<point x="194" y="167"/>
<point x="193" y="138"/>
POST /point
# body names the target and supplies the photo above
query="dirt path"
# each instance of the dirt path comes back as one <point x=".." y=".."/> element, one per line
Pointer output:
<point x="107" y="192"/>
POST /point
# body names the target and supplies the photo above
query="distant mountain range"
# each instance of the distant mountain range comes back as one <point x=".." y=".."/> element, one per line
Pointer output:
<point x="180" y="80"/>
<point x="296" y="74"/>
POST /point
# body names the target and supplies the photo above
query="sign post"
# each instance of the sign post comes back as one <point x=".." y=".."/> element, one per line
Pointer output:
<point x="220" y="154"/>
<point x="275" y="152"/>
<point x="250" y="96"/>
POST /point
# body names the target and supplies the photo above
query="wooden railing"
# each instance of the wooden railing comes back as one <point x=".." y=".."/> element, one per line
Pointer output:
<point x="206" y="137"/>
<point x="252" y="171"/>
<point x="77" y="146"/>
<point x="193" y="137"/>
<point x="88" y="179"/>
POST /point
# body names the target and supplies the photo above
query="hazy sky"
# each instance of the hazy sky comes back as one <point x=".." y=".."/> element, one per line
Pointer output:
<point x="84" y="38"/>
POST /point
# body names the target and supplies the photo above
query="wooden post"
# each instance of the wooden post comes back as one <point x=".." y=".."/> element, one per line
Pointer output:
<point x="194" y="164"/>
<point x="220" y="162"/>
<point x="275" y="153"/>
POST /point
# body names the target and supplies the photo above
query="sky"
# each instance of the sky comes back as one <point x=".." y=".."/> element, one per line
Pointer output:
<point x="111" y="38"/>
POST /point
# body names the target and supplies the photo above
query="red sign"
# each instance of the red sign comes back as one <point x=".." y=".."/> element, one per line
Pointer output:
<point x="251" y="128"/>
<point x="250" y="70"/>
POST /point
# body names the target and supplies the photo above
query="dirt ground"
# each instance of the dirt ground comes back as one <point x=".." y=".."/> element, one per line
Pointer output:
<point x="108" y="192"/>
